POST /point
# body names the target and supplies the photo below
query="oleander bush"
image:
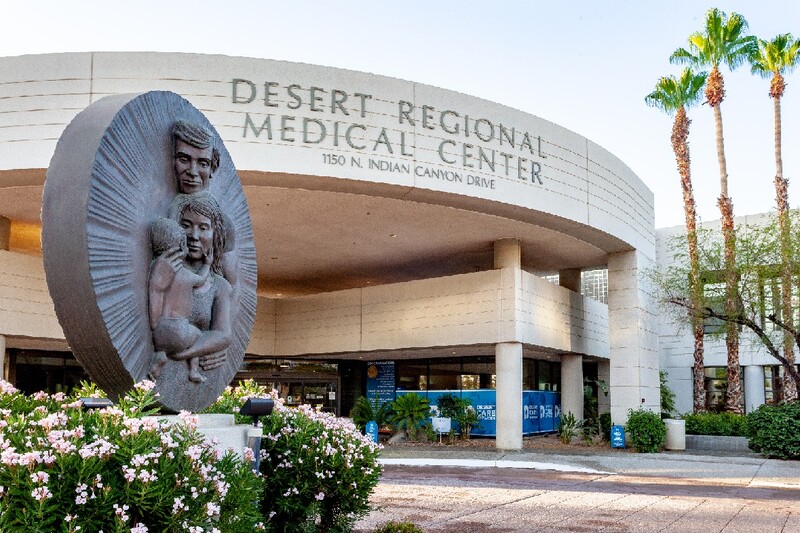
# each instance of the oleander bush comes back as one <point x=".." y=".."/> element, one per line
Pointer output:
<point x="319" y="470"/>
<point x="66" y="469"/>
<point x="723" y="424"/>
<point x="774" y="430"/>
<point x="646" y="430"/>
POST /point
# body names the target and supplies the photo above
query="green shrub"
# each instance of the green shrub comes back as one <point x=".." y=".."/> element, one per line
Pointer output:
<point x="399" y="527"/>
<point x="116" y="469"/>
<point x="568" y="427"/>
<point x="317" y="468"/>
<point x="449" y="406"/>
<point x="460" y="411"/>
<point x="646" y="430"/>
<point x="723" y="424"/>
<point x="605" y="426"/>
<point x="667" y="396"/>
<point x="409" y="411"/>
<point x="774" y="430"/>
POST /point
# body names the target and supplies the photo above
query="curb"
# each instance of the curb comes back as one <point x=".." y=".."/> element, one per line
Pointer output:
<point x="481" y="463"/>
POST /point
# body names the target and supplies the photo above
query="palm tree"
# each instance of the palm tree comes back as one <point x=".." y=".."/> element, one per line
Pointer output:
<point x="674" y="96"/>
<point x="722" y="40"/>
<point x="770" y="60"/>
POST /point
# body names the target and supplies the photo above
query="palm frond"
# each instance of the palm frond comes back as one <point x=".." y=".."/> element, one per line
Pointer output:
<point x="671" y="93"/>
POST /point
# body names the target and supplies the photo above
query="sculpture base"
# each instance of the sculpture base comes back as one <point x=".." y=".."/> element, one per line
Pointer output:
<point x="225" y="433"/>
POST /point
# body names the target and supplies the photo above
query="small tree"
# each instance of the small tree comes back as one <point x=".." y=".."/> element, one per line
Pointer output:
<point x="759" y="267"/>
<point x="460" y="410"/>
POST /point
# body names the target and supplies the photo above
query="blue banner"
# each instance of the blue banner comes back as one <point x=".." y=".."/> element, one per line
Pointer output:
<point x="541" y="410"/>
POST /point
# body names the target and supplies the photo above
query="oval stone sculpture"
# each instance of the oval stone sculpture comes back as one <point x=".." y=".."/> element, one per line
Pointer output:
<point x="112" y="176"/>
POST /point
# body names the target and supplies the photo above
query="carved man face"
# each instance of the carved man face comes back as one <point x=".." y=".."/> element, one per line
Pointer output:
<point x="192" y="167"/>
<point x="199" y="234"/>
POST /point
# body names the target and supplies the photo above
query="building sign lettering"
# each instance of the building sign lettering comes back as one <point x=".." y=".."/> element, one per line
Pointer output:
<point x="479" y="152"/>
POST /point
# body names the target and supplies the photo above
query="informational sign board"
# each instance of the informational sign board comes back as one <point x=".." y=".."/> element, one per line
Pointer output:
<point x="380" y="381"/>
<point x="371" y="430"/>
<point x="617" y="437"/>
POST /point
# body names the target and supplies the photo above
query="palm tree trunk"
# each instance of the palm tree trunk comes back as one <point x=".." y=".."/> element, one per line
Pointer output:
<point x="733" y="396"/>
<point x="680" y="134"/>
<point x="782" y="199"/>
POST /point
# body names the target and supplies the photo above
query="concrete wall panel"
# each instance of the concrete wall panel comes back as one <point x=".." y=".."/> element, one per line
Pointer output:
<point x="26" y="308"/>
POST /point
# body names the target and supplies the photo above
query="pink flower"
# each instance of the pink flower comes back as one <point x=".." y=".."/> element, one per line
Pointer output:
<point x="249" y="455"/>
<point x="145" y="385"/>
<point x="7" y="388"/>
<point x="121" y="512"/>
<point x="189" y="419"/>
<point x="40" y="477"/>
<point x="41" y="493"/>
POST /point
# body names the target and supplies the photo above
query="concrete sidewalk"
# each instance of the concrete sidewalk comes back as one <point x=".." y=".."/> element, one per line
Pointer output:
<point x="746" y="470"/>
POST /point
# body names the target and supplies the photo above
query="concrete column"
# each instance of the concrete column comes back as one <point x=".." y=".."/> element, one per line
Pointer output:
<point x="3" y="373"/>
<point x="633" y="335"/>
<point x="572" y="385"/>
<point x="754" y="394"/>
<point x="604" y="398"/>
<point x="507" y="254"/>
<point x="570" y="278"/>
<point x="5" y="233"/>
<point x="508" y="363"/>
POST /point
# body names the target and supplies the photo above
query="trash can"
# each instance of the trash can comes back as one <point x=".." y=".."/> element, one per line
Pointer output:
<point x="676" y="434"/>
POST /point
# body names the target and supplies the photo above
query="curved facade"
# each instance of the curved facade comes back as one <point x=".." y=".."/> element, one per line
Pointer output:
<point x="393" y="220"/>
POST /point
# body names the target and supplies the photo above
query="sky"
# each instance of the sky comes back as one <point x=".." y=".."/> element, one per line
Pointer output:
<point x="584" y="64"/>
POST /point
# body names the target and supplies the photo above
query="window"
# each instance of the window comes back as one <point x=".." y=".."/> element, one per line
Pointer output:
<point x="594" y="284"/>
<point x="716" y="381"/>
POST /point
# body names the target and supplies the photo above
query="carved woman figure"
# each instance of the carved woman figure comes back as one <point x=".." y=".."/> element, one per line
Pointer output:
<point x="202" y="221"/>
<point x="170" y="291"/>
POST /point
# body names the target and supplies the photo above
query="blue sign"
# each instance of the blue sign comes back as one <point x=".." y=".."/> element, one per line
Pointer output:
<point x="380" y="381"/>
<point x="617" y="437"/>
<point x="372" y="430"/>
<point x="541" y="410"/>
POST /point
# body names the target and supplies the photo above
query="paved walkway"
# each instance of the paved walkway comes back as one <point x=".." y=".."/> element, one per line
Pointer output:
<point x="743" y="470"/>
<point x="463" y="490"/>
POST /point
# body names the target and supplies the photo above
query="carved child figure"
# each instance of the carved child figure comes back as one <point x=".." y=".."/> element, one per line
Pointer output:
<point x="170" y="287"/>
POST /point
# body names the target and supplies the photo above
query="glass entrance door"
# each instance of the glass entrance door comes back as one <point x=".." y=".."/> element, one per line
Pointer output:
<point x="319" y="394"/>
